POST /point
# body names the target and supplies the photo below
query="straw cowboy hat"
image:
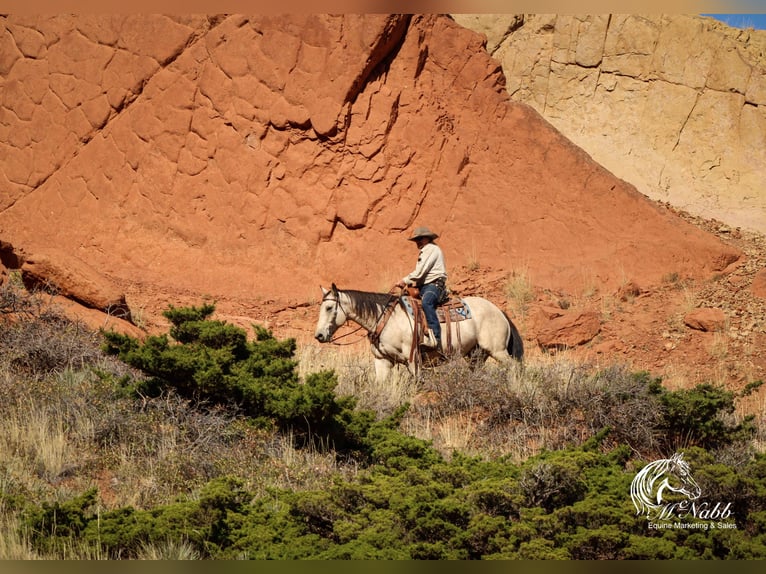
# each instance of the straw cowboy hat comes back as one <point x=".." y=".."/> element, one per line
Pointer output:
<point x="422" y="232"/>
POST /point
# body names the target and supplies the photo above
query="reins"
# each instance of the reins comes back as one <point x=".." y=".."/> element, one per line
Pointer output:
<point x="382" y="320"/>
<point x="334" y="340"/>
<point x="371" y="334"/>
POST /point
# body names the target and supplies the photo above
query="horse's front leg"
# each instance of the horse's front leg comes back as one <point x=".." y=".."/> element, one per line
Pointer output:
<point x="383" y="369"/>
<point x="413" y="367"/>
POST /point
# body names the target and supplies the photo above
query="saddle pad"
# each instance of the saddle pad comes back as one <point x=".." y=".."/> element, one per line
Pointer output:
<point x="458" y="309"/>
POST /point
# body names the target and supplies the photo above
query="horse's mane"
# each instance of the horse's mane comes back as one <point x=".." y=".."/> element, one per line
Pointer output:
<point x="369" y="305"/>
<point x="643" y="484"/>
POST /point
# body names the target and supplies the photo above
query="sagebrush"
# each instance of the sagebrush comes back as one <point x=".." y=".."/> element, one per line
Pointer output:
<point x="207" y="443"/>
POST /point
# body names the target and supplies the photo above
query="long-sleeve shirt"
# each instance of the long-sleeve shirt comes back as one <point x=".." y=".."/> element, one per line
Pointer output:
<point x="430" y="266"/>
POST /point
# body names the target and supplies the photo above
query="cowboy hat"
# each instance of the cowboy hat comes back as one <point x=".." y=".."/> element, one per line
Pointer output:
<point x="422" y="232"/>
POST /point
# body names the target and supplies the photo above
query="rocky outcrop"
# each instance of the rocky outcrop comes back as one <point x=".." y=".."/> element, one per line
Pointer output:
<point x="95" y="319"/>
<point x="758" y="286"/>
<point x="70" y="287"/>
<point x="257" y="157"/>
<point x="559" y="329"/>
<point x="706" y="319"/>
<point x="674" y="104"/>
<point x="68" y="276"/>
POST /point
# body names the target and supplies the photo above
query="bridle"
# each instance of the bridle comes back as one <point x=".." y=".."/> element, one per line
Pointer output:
<point x="333" y="321"/>
<point x="373" y="334"/>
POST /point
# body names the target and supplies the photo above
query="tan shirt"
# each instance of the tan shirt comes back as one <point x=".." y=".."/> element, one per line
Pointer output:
<point x="430" y="266"/>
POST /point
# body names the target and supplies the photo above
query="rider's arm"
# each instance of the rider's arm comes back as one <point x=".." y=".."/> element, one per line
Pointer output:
<point x="426" y="259"/>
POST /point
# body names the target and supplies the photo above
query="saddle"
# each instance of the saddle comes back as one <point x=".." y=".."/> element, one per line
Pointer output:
<point x="449" y="310"/>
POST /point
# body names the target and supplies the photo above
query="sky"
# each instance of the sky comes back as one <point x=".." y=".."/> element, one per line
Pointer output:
<point x="757" y="21"/>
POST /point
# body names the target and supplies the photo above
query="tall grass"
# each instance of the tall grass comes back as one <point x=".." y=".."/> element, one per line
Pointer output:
<point x="354" y="367"/>
<point x="68" y="422"/>
<point x="14" y="542"/>
<point x="516" y="411"/>
<point x="520" y="291"/>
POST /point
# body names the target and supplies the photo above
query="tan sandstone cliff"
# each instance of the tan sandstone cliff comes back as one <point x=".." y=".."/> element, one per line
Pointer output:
<point x="674" y="104"/>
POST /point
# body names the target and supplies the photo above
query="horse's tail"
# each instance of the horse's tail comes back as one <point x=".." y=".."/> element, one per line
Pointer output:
<point x="515" y="343"/>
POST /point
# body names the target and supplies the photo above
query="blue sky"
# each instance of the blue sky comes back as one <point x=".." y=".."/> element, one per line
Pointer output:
<point x="757" y="21"/>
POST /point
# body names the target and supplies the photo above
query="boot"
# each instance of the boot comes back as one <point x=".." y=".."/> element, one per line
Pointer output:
<point x="429" y="340"/>
<point x="431" y="351"/>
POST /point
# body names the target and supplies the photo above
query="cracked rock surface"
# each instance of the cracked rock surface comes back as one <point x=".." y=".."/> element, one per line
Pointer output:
<point x="674" y="104"/>
<point x="250" y="159"/>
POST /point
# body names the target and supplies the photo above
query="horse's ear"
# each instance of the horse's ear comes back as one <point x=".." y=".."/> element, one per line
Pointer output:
<point x="324" y="291"/>
<point x="334" y="288"/>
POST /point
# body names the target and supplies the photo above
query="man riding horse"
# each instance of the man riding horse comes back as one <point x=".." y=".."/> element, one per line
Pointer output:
<point x="430" y="276"/>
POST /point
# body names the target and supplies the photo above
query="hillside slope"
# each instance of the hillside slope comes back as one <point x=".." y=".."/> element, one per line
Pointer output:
<point x="249" y="159"/>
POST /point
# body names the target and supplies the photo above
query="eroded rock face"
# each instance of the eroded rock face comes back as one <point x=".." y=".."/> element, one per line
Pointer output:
<point x="674" y="104"/>
<point x="256" y="157"/>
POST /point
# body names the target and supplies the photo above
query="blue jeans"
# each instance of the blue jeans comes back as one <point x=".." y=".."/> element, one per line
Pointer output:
<point x="430" y="295"/>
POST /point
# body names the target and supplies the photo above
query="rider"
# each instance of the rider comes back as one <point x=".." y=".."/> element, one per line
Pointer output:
<point x="430" y="275"/>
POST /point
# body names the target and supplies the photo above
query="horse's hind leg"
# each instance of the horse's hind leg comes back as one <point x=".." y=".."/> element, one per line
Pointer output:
<point x="477" y="357"/>
<point x="501" y="356"/>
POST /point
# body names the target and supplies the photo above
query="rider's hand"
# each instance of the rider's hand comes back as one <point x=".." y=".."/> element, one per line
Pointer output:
<point x="401" y="285"/>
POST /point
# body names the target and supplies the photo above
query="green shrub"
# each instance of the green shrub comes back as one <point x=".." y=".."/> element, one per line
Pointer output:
<point x="699" y="416"/>
<point x="436" y="510"/>
<point x="405" y="500"/>
<point x="213" y="362"/>
<point x="53" y="525"/>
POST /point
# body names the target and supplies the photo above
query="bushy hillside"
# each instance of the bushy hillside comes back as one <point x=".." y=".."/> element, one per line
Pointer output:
<point x="207" y="443"/>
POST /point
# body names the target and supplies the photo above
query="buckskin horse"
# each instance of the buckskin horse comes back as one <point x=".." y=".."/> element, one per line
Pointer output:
<point x="472" y="325"/>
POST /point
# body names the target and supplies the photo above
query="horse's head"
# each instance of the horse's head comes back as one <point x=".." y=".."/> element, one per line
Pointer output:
<point x="331" y="314"/>
<point x="678" y="477"/>
<point x="656" y="480"/>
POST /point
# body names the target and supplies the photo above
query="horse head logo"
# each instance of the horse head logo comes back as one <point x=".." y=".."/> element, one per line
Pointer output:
<point x="661" y="477"/>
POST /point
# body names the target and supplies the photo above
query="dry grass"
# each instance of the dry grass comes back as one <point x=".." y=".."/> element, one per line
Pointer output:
<point x="689" y="299"/>
<point x="755" y="405"/>
<point x="14" y="544"/>
<point x="356" y="375"/>
<point x="551" y="402"/>
<point x="589" y="285"/>
<point x="66" y="426"/>
<point x="138" y="453"/>
<point x="499" y="410"/>
<point x="168" y="550"/>
<point x="36" y="441"/>
<point x="66" y="433"/>
<point x="719" y="346"/>
<point x="519" y="290"/>
<point x="472" y="262"/>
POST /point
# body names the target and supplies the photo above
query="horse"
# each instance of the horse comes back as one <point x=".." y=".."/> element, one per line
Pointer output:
<point x="649" y="485"/>
<point x="485" y="332"/>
